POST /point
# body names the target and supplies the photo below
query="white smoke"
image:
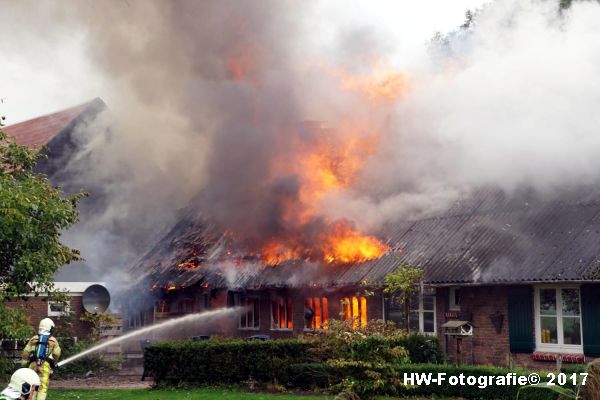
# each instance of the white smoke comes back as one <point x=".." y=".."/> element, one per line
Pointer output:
<point x="515" y="104"/>
<point x="512" y="103"/>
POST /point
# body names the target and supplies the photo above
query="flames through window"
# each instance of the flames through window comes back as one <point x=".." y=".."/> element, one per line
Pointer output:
<point x="316" y="313"/>
<point x="281" y="313"/>
<point x="355" y="309"/>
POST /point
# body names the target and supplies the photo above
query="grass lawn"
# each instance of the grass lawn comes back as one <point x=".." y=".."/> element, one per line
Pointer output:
<point x="196" y="394"/>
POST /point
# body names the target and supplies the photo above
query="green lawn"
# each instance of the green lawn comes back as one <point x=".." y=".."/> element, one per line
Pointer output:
<point x="196" y="394"/>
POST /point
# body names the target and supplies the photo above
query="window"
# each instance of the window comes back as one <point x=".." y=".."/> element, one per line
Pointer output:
<point x="57" y="309"/>
<point x="281" y="313"/>
<point x="355" y="308"/>
<point x="316" y="313"/>
<point x="250" y="319"/>
<point x="454" y="299"/>
<point x="163" y="306"/>
<point x="558" y="319"/>
<point x="206" y="301"/>
<point x="421" y="312"/>
<point x="186" y="306"/>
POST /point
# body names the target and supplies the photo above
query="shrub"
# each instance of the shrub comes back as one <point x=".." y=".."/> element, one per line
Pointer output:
<point x="223" y="361"/>
<point x="591" y="391"/>
<point x="92" y="362"/>
<point x="422" y="348"/>
<point x="377" y="341"/>
<point x="7" y="366"/>
<point x="356" y="376"/>
<point x="371" y="351"/>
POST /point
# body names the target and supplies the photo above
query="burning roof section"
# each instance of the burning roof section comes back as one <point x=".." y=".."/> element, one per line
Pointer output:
<point x="487" y="238"/>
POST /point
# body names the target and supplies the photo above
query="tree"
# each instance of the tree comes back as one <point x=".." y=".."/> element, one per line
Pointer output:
<point x="404" y="282"/>
<point x="33" y="214"/>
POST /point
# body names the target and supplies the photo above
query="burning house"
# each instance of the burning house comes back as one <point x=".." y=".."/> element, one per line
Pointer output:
<point x="302" y="221"/>
<point x="522" y="272"/>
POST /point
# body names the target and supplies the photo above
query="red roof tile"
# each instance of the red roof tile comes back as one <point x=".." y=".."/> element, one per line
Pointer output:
<point x="39" y="131"/>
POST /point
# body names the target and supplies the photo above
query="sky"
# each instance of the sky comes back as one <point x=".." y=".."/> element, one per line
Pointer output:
<point x="43" y="72"/>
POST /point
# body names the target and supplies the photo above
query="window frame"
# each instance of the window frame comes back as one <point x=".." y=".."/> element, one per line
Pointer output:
<point x="63" y="313"/>
<point x="452" y="306"/>
<point x="288" y="318"/>
<point x="324" y="313"/>
<point x="241" y="301"/>
<point x="355" y="304"/>
<point x="421" y="311"/>
<point x="559" y="347"/>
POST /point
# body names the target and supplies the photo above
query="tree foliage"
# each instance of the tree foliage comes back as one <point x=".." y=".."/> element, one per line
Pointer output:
<point x="98" y="322"/>
<point x="404" y="282"/>
<point x="33" y="214"/>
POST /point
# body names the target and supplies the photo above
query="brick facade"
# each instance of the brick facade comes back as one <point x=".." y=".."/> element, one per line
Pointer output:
<point x="298" y="298"/>
<point x="36" y="308"/>
<point x="483" y="306"/>
<point x="478" y="304"/>
<point x="487" y="345"/>
<point x="229" y="326"/>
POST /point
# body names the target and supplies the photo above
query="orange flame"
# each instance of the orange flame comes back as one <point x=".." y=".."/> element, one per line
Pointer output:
<point x="381" y="85"/>
<point x="187" y="265"/>
<point x="330" y="163"/>
<point x="275" y="252"/>
<point x="346" y="245"/>
<point x="324" y="163"/>
<point x="242" y="64"/>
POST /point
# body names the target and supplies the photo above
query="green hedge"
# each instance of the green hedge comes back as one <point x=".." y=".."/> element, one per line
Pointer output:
<point x="312" y="375"/>
<point x="213" y="362"/>
<point x="422" y="348"/>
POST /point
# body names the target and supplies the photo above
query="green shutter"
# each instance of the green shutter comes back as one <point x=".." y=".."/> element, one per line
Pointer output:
<point x="520" y="319"/>
<point x="590" y="319"/>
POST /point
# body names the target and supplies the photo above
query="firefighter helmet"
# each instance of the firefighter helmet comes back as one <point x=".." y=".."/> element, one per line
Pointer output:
<point x="46" y="326"/>
<point x="23" y="384"/>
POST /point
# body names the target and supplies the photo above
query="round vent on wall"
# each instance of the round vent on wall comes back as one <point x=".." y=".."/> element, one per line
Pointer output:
<point x="96" y="299"/>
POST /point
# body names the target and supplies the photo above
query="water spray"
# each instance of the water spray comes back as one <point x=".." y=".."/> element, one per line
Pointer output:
<point x="181" y="320"/>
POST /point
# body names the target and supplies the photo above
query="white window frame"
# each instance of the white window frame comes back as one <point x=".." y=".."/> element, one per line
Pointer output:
<point x="64" y="313"/>
<point x="288" y="318"/>
<point x="422" y="312"/>
<point x="559" y="347"/>
<point x="452" y="306"/>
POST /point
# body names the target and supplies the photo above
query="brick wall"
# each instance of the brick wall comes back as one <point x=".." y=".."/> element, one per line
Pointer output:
<point x="299" y="296"/>
<point x="36" y="308"/>
<point x="487" y="345"/>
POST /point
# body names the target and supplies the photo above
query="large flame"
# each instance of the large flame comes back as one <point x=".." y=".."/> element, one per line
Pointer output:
<point x="323" y="162"/>
<point x="344" y="244"/>
<point x="330" y="163"/>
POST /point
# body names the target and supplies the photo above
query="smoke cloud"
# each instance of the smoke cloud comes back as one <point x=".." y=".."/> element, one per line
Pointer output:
<point x="219" y="106"/>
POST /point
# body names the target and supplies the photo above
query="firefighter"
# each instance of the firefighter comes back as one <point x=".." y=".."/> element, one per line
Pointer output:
<point x="23" y="385"/>
<point x="41" y="354"/>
